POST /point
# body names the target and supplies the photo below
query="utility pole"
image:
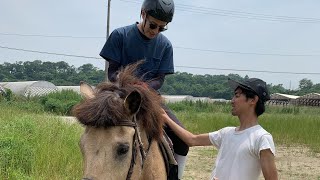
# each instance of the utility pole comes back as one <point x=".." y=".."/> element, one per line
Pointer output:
<point x="108" y="25"/>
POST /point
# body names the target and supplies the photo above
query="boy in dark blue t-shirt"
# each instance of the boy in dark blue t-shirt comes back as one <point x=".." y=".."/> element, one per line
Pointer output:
<point x="143" y="41"/>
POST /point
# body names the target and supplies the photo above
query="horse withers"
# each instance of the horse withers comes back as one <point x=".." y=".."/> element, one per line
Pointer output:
<point x="123" y="126"/>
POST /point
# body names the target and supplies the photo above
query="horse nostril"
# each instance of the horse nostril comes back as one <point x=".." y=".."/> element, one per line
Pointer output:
<point x="86" y="179"/>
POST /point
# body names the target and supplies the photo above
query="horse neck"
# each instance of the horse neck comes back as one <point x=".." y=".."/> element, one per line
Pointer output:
<point x="154" y="166"/>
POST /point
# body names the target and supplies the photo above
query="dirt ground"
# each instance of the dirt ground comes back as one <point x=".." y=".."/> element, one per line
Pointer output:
<point x="293" y="163"/>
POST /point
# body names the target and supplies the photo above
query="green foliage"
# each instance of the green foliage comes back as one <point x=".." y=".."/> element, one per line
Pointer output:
<point x="293" y="129"/>
<point x="59" y="73"/>
<point x="15" y="157"/>
<point x="24" y="103"/>
<point x="8" y="95"/>
<point x="16" y="152"/>
<point x="60" y="102"/>
<point x="36" y="146"/>
<point x="214" y="86"/>
<point x="200" y="106"/>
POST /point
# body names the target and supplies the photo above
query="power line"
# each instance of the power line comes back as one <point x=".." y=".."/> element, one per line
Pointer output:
<point x="177" y="47"/>
<point x="248" y="53"/>
<point x="248" y="13"/>
<point x="187" y="48"/>
<point x="45" y="52"/>
<point x="249" y="70"/>
<point x="238" y="14"/>
<point x="49" y="36"/>
<point x="192" y="67"/>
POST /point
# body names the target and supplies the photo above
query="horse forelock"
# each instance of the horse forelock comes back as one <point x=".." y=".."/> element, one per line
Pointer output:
<point x="107" y="107"/>
<point x="150" y="112"/>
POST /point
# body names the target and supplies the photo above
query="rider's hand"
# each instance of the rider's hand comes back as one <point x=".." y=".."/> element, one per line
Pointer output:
<point x="165" y="116"/>
<point x="141" y="84"/>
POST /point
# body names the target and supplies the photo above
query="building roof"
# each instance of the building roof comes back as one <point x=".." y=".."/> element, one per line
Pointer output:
<point x="310" y="96"/>
<point x="279" y="96"/>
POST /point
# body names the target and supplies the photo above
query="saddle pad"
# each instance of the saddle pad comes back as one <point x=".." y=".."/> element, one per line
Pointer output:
<point x="167" y="153"/>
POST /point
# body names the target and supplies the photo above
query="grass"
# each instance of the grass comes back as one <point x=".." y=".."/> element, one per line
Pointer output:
<point x="37" y="146"/>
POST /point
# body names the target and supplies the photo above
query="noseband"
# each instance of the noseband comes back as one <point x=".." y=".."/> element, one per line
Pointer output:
<point x="136" y="142"/>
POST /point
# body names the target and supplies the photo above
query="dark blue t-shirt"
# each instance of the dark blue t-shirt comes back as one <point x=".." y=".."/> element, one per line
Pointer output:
<point x="125" y="46"/>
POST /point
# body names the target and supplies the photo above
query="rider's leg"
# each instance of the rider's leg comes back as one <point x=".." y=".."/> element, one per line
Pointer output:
<point x="180" y="148"/>
<point x="181" y="160"/>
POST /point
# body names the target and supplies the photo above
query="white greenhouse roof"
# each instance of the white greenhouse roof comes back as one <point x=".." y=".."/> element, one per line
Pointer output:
<point x="30" y="88"/>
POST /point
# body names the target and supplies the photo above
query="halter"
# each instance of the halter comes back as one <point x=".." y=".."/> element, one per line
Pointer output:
<point x="136" y="141"/>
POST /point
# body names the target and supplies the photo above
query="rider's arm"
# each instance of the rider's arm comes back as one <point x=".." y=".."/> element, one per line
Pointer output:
<point x="113" y="70"/>
<point x="189" y="138"/>
<point x="157" y="82"/>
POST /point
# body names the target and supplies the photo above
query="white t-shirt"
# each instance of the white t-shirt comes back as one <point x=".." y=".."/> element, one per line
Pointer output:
<point x="239" y="152"/>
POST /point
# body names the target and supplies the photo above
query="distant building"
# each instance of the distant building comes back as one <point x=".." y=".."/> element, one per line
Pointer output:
<point x="179" y="98"/>
<point x="176" y="98"/>
<point x="311" y="99"/>
<point x="282" y="99"/>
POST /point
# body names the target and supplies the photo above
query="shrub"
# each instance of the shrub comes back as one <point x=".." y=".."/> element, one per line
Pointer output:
<point x="60" y="102"/>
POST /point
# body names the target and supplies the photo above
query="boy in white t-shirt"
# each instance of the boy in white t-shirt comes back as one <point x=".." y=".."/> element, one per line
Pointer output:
<point x="245" y="150"/>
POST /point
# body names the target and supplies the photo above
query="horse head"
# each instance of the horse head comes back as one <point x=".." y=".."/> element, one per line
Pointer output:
<point x="122" y="120"/>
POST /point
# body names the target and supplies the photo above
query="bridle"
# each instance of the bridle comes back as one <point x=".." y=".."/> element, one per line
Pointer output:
<point x="136" y="142"/>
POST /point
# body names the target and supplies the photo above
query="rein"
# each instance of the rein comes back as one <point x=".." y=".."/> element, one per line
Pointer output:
<point x="136" y="142"/>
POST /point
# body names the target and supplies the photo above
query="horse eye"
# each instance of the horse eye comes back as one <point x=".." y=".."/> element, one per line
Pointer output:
<point x="122" y="149"/>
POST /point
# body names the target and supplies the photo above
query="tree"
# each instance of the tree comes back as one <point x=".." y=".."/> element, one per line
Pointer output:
<point x="305" y="84"/>
<point x="277" y="89"/>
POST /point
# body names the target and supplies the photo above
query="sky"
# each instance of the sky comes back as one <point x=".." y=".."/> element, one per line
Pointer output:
<point x="277" y="41"/>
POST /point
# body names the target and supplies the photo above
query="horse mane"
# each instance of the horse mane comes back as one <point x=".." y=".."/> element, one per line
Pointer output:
<point x="107" y="107"/>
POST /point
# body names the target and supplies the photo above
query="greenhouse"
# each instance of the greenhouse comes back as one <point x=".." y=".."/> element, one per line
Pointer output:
<point x="30" y="88"/>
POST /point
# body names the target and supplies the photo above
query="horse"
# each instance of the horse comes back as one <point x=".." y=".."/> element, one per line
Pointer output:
<point x="123" y="128"/>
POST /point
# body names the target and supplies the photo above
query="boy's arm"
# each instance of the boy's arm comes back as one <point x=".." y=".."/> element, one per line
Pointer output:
<point x="268" y="165"/>
<point x="189" y="138"/>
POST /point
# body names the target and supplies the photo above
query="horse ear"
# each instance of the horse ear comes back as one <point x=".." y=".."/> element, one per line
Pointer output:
<point x="132" y="102"/>
<point x="86" y="90"/>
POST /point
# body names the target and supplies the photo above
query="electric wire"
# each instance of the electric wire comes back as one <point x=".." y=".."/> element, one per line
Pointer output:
<point x="238" y="14"/>
<point x="193" y="67"/>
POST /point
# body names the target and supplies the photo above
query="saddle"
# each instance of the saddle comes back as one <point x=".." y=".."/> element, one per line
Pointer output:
<point x="166" y="148"/>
